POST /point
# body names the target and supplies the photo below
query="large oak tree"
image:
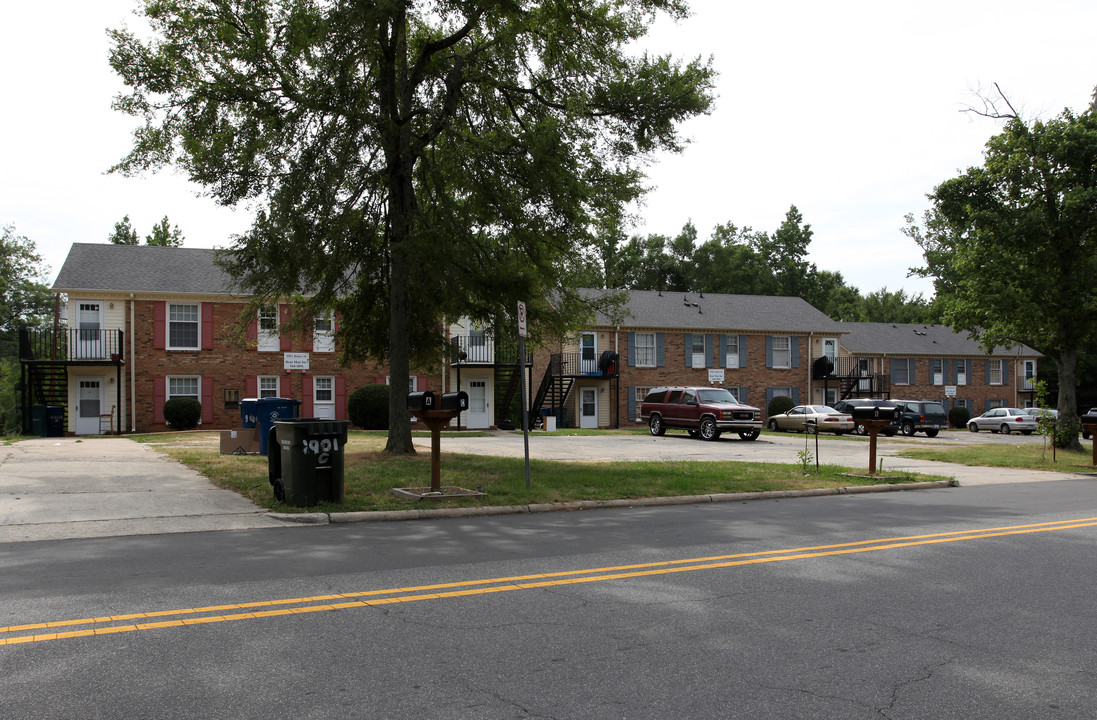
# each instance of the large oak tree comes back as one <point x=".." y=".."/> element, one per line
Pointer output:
<point x="1012" y="245"/>
<point x="409" y="161"/>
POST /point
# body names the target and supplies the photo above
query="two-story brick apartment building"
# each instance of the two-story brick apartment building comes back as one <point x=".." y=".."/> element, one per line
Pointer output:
<point x="932" y="362"/>
<point x="145" y="324"/>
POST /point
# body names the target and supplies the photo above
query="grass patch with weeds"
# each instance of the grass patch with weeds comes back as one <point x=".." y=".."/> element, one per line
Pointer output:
<point x="1011" y="455"/>
<point x="370" y="475"/>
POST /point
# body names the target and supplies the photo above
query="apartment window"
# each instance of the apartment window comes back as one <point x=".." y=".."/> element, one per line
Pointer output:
<point x="183" y="386"/>
<point x="782" y="352"/>
<point x="901" y="372"/>
<point x="323" y="389"/>
<point x="780" y="392"/>
<point x="937" y="371"/>
<point x="645" y="349"/>
<point x="995" y="403"/>
<point x="961" y="373"/>
<point x="413" y="384"/>
<point x="268" y="386"/>
<point x="698" y="345"/>
<point x="323" y="333"/>
<point x="183" y="330"/>
<point x="731" y="351"/>
<point x="995" y="375"/>
<point x="267" y="338"/>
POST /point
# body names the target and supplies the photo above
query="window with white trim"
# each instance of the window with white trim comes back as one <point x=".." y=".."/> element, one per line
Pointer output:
<point x="645" y="349"/>
<point x="323" y="333"/>
<point x="937" y="371"/>
<point x="782" y="352"/>
<point x="900" y="371"/>
<point x="698" y="360"/>
<point x="267" y="337"/>
<point x="731" y="352"/>
<point x="323" y="389"/>
<point x="183" y="327"/>
<point x="995" y="375"/>
<point x="1030" y="374"/>
<point x="268" y="386"/>
<point x="184" y="386"/>
<point x="961" y="373"/>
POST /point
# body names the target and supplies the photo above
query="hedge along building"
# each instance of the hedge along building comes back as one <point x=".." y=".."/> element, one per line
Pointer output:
<point x="142" y="324"/>
<point x="933" y="362"/>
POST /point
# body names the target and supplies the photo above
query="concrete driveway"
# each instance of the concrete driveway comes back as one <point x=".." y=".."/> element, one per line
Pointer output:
<point x="59" y="488"/>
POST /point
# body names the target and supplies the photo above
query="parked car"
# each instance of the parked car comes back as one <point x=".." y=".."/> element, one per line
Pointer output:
<point x="926" y="416"/>
<point x="704" y="412"/>
<point x="1039" y="413"/>
<point x="1089" y="418"/>
<point x="845" y="405"/>
<point x="813" y="418"/>
<point x="1004" y="420"/>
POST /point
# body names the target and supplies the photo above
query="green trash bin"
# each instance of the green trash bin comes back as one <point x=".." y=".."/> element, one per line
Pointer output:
<point x="305" y="461"/>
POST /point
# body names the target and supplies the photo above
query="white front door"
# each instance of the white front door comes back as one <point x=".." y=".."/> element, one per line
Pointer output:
<point x="89" y="405"/>
<point x="479" y="412"/>
<point x="588" y="408"/>
<point x="89" y="335"/>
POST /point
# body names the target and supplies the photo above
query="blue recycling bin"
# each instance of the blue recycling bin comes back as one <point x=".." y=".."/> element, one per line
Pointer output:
<point x="270" y="409"/>
<point x="249" y="412"/>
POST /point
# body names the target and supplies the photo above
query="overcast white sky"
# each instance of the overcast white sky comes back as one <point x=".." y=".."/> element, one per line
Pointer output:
<point x="848" y="110"/>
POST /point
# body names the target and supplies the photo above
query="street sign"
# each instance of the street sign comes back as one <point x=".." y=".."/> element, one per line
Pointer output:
<point x="521" y="319"/>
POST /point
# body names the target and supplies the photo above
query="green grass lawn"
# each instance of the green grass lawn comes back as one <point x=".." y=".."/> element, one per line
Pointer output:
<point x="370" y="476"/>
<point x="1014" y="455"/>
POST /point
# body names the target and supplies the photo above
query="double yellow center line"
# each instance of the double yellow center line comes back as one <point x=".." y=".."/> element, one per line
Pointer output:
<point x="110" y="624"/>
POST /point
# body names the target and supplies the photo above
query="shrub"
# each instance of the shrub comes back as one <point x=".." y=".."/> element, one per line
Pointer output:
<point x="779" y="404"/>
<point x="368" y="407"/>
<point x="958" y="416"/>
<point x="183" y="413"/>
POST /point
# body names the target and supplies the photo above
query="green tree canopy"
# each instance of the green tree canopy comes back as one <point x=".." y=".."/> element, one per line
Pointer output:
<point x="123" y="234"/>
<point x="410" y="160"/>
<point x="25" y="299"/>
<point x="165" y="235"/>
<point x="1012" y="245"/>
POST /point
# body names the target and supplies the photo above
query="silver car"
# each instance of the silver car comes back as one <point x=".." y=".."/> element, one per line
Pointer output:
<point x="813" y="418"/>
<point x="1004" y="420"/>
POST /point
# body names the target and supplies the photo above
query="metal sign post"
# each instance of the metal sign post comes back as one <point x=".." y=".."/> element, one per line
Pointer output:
<point x="522" y="375"/>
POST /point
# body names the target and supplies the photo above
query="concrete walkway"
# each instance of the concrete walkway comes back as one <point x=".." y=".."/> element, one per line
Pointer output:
<point x="59" y="488"/>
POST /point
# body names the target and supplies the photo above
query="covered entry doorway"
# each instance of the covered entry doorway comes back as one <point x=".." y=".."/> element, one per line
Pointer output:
<point x="478" y="415"/>
<point x="588" y="408"/>
<point x="89" y="405"/>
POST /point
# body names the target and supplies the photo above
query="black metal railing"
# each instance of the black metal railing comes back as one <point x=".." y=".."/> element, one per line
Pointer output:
<point x="485" y="350"/>
<point x="855" y="377"/>
<point x="72" y="345"/>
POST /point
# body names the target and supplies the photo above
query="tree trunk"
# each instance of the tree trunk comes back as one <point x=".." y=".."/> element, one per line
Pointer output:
<point x="1068" y="398"/>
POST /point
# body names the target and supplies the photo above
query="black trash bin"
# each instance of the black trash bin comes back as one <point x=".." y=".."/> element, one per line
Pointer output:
<point x="305" y="460"/>
<point x="55" y="421"/>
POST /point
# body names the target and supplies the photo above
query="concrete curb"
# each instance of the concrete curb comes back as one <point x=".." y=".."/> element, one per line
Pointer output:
<point x="465" y="512"/>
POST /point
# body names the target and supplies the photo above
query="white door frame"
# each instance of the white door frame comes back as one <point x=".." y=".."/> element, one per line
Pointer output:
<point x="88" y="424"/>
<point x="589" y="422"/>
<point x="588" y="365"/>
<point x="89" y="340"/>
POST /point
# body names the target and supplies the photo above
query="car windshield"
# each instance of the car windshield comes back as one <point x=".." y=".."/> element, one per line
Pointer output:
<point x="715" y="395"/>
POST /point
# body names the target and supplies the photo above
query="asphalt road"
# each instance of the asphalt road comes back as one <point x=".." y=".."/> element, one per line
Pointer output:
<point x="969" y="602"/>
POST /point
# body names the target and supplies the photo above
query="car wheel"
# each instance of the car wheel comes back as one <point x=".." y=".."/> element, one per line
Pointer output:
<point x="931" y="433"/>
<point x="655" y="424"/>
<point x="860" y="429"/>
<point x="908" y="429"/>
<point x="973" y="427"/>
<point x="749" y="434"/>
<point x="773" y="425"/>
<point x="708" y="429"/>
<point x="1006" y="429"/>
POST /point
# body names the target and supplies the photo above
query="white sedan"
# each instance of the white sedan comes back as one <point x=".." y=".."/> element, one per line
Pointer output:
<point x="1004" y="420"/>
<point x="811" y="418"/>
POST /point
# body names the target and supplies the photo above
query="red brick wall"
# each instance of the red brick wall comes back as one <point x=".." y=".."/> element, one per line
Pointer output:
<point x="228" y="365"/>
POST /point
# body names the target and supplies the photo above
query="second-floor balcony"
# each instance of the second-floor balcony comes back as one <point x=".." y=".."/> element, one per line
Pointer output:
<point x="72" y="346"/>
<point x="485" y="350"/>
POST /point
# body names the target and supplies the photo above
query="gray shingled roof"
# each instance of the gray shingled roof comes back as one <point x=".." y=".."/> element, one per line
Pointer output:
<point x="917" y="339"/>
<point x="694" y="311"/>
<point x="141" y="268"/>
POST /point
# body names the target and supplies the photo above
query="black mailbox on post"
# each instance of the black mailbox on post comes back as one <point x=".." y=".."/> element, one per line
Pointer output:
<point x="891" y="413"/>
<point x="455" y="401"/>
<point x="421" y="401"/>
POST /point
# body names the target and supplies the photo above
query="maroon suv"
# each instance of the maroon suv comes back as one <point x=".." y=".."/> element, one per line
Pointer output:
<point x="702" y="411"/>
